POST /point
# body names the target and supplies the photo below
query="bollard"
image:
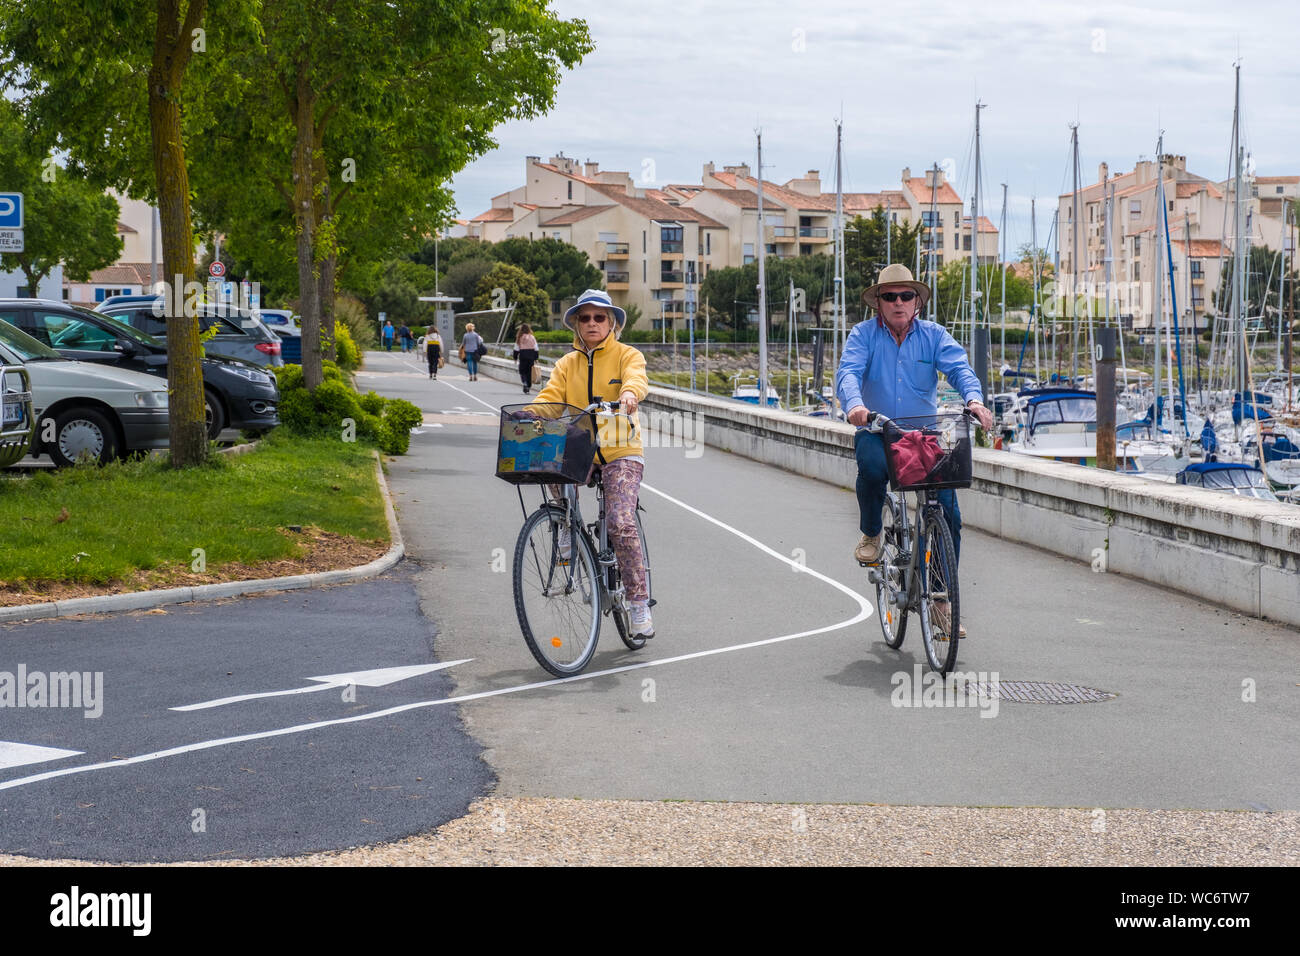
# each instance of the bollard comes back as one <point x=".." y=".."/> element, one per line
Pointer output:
<point x="980" y="341"/>
<point x="1106" y="399"/>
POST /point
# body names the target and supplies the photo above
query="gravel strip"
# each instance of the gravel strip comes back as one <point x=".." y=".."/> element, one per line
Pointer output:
<point x="536" y="831"/>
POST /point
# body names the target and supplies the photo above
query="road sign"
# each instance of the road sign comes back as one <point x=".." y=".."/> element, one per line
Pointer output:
<point x="11" y="240"/>
<point x="11" y="210"/>
<point x="217" y="269"/>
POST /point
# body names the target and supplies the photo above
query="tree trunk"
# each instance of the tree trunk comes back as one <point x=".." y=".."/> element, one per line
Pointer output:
<point x="188" y="433"/>
<point x="34" y="278"/>
<point x="305" y="217"/>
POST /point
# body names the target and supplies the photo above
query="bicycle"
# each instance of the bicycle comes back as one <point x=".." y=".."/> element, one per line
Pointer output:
<point x="562" y="593"/>
<point x="917" y="567"/>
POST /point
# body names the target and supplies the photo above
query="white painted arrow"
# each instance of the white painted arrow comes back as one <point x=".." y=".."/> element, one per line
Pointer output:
<point x="16" y="755"/>
<point x="372" y="678"/>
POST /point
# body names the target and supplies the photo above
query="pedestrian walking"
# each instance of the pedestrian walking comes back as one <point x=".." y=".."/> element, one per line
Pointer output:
<point x="526" y="355"/>
<point x="432" y="343"/>
<point x="388" y="335"/>
<point x="472" y="348"/>
<point x="408" y="340"/>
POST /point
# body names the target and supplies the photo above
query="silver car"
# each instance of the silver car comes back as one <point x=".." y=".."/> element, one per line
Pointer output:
<point x="240" y="333"/>
<point x="82" y="410"/>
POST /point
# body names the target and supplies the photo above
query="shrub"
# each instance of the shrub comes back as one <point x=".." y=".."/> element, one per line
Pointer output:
<point x="373" y="403"/>
<point x="346" y="348"/>
<point x="350" y="312"/>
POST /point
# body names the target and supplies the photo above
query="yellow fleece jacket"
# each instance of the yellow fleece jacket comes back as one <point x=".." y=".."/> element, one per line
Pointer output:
<point x="603" y="374"/>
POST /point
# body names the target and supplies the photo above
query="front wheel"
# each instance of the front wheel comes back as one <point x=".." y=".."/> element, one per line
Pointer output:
<point x="83" y="434"/>
<point x="940" y="601"/>
<point x="557" y="595"/>
<point x="893" y="619"/>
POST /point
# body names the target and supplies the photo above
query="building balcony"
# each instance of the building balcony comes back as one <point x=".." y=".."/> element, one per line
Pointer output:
<point x="781" y="234"/>
<point x="670" y="247"/>
<point x="617" y="281"/>
<point x="815" y="232"/>
<point x="673" y="308"/>
<point x="616" y="250"/>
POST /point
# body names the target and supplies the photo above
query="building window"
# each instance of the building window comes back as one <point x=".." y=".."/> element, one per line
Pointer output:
<point x="23" y="292"/>
<point x="956" y="219"/>
<point x="965" y="242"/>
<point x="708" y="243"/>
<point x="643" y="278"/>
<point x="670" y="239"/>
<point x="1198" y="269"/>
<point x="929" y="219"/>
<point x="1279" y="190"/>
<point x="1135" y="209"/>
<point x="570" y="188"/>
<point x="804" y="249"/>
<point x="643" y="240"/>
<point x="1137" y="246"/>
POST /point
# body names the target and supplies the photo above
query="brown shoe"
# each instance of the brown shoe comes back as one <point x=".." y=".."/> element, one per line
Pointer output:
<point x="943" y="620"/>
<point x="868" y="549"/>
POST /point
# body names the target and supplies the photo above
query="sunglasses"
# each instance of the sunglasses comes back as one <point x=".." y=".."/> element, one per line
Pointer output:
<point x="590" y="318"/>
<point x="907" y="296"/>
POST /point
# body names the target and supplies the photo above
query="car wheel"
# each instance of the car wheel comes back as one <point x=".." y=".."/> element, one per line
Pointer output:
<point x="83" y="433"/>
<point x="213" y="414"/>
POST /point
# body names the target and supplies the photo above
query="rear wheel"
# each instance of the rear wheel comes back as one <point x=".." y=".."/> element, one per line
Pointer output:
<point x="557" y="596"/>
<point x="83" y="434"/>
<point x="940" y="601"/>
<point x="893" y="620"/>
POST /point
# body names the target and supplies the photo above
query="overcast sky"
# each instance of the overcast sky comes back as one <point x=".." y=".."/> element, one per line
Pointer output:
<point x="671" y="86"/>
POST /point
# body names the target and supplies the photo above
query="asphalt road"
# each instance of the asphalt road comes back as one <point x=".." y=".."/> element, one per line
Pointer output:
<point x="1206" y="700"/>
<point x="767" y="681"/>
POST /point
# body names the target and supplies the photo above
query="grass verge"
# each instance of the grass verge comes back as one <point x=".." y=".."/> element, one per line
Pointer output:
<point x="138" y="524"/>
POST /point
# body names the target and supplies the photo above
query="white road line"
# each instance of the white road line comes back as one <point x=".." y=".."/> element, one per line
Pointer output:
<point x="863" y="613"/>
<point x="15" y="754"/>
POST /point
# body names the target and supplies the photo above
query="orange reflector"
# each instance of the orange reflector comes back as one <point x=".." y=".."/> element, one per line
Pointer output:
<point x="927" y="557"/>
<point x="556" y="642"/>
<point x="889" y="617"/>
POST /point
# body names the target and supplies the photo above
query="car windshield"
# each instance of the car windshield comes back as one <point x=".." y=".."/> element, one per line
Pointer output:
<point x="27" y="348"/>
<point x="121" y="328"/>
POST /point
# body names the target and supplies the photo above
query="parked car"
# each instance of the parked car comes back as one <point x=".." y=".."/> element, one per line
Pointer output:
<point x="285" y="324"/>
<point x="240" y="333"/>
<point x="81" y="409"/>
<point x="19" y="421"/>
<point x="237" y="394"/>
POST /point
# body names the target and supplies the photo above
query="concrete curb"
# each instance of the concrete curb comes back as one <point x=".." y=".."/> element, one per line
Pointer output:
<point x="138" y="600"/>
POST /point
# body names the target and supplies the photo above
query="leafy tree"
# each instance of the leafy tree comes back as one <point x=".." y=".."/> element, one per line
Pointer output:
<point x="1261" y="269"/>
<point x="462" y="279"/>
<point x="562" y="270"/>
<point x="362" y="116"/>
<point x="111" y="83"/>
<point x="517" y="286"/>
<point x="66" y="219"/>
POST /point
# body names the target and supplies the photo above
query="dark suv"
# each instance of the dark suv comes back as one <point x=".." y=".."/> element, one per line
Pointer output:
<point x="240" y="333"/>
<point x="236" y="394"/>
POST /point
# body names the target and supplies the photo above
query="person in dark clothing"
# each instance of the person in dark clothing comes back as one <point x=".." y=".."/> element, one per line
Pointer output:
<point x="526" y="353"/>
<point x="433" y="350"/>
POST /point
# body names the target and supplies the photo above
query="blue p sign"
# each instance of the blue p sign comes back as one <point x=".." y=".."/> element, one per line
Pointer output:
<point x="11" y="210"/>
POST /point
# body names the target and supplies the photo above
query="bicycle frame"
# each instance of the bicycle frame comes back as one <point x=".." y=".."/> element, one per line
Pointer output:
<point x="923" y="504"/>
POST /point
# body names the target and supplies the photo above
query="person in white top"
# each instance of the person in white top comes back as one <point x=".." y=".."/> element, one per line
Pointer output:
<point x="526" y="355"/>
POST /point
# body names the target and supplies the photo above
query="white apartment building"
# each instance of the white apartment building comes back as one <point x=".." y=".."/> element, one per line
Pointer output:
<point x="1200" y="219"/>
<point x="655" y="245"/>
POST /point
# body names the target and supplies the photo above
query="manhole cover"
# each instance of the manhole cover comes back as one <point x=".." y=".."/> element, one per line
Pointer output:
<point x="1040" y="692"/>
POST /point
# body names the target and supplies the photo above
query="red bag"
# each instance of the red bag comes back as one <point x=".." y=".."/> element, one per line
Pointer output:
<point x="915" y="454"/>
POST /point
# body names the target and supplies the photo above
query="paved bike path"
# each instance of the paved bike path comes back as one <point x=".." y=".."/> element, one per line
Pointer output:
<point x="1204" y="705"/>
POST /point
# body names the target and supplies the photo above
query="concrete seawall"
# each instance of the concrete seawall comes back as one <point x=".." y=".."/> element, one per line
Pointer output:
<point x="1242" y="553"/>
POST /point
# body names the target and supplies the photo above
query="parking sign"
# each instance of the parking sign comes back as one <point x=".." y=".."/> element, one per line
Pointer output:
<point x="11" y="210"/>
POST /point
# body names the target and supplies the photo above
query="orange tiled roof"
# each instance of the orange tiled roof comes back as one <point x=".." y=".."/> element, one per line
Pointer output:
<point x="557" y="169"/>
<point x="1203" y="248"/>
<point x="1277" y="180"/>
<point x="738" y="197"/>
<point x="576" y="214"/>
<point x="986" y="224"/>
<point x="130" y="273"/>
<point x="654" y="208"/>
<point x="123" y="227"/>
<point x="728" y="179"/>
<point x="918" y="188"/>
<point x="495" y="214"/>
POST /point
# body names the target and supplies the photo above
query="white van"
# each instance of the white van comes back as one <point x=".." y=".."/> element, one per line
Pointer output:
<point x="83" y="409"/>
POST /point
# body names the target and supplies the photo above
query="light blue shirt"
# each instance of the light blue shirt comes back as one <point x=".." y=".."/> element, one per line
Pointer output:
<point x="901" y="381"/>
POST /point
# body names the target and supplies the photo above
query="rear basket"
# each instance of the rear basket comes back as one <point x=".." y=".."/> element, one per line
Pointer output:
<point x="545" y="443"/>
<point x="930" y="453"/>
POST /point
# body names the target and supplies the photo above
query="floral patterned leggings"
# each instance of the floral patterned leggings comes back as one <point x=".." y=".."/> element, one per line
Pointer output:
<point x="622" y="481"/>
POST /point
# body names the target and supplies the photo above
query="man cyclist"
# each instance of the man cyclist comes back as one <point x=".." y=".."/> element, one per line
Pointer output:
<point x="601" y="368"/>
<point x="890" y="365"/>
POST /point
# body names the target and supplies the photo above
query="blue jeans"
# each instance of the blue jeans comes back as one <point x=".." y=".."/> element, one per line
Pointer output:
<point x="471" y="363"/>
<point x="873" y="480"/>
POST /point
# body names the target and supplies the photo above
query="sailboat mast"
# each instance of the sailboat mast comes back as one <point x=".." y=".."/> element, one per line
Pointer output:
<point x="1002" y="266"/>
<point x="1158" y="306"/>
<point x="762" y="284"/>
<point x="1035" y="269"/>
<point x="841" y="299"/>
<point x="1074" y="255"/>
<point x="1238" y="266"/>
<point x="934" y="228"/>
<point x="974" y="232"/>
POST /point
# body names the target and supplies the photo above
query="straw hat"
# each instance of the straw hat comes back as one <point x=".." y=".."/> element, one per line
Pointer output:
<point x="896" y="274"/>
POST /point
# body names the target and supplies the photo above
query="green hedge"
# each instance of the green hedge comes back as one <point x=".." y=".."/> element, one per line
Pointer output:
<point x="385" y="422"/>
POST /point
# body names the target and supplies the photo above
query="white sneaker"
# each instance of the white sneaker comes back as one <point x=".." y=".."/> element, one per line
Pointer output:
<point x="640" y="623"/>
<point x="564" y="544"/>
